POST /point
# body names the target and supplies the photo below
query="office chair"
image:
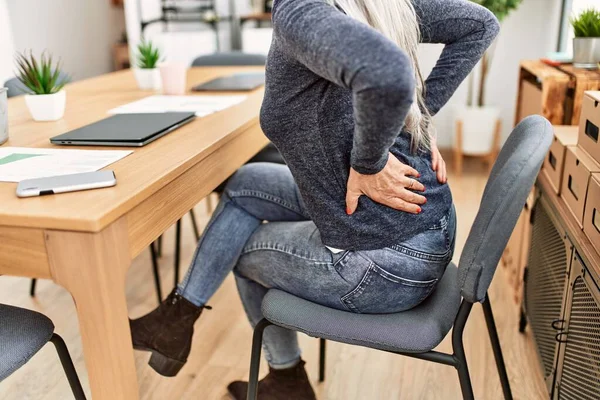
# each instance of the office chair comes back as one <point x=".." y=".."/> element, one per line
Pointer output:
<point x="22" y="334"/>
<point x="416" y="332"/>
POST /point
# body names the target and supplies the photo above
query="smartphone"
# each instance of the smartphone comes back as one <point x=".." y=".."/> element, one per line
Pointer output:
<point x="66" y="183"/>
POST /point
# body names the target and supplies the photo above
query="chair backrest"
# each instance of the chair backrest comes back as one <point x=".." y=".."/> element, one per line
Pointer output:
<point x="229" y="59"/>
<point x="505" y="194"/>
<point x="15" y="87"/>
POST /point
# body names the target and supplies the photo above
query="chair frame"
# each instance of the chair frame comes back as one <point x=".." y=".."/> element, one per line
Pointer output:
<point x="68" y="367"/>
<point x="457" y="360"/>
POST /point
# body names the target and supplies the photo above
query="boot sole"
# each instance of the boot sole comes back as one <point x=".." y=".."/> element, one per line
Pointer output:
<point x="162" y="364"/>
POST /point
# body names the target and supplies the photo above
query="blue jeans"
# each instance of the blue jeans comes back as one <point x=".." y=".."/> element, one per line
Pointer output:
<point x="287" y="253"/>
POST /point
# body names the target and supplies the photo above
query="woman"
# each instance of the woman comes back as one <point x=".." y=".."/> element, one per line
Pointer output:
<point x="362" y="221"/>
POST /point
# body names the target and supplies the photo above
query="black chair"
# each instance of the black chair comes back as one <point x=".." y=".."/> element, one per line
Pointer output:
<point x="415" y="333"/>
<point x="22" y="334"/>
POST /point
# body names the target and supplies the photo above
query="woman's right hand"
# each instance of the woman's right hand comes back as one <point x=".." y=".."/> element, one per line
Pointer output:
<point x="392" y="186"/>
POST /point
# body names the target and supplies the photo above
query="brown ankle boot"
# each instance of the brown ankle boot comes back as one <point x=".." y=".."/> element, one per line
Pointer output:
<point x="167" y="333"/>
<point x="280" y="384"/>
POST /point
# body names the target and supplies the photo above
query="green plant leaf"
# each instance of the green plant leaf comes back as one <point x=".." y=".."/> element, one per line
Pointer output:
<point x="587" y="24"/>
<point x="39" y="76"/>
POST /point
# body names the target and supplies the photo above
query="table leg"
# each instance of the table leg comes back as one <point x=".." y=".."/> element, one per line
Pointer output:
<point x="92" y="267"/>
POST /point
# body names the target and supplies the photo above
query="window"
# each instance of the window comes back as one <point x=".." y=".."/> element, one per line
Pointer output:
<point x="570" y="8"/>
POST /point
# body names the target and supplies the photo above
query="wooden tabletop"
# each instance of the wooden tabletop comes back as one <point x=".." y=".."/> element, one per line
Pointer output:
<point x="139" y="175"/>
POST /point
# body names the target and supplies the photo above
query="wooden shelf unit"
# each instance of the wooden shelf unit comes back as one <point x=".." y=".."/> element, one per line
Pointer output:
<point x="554" y="92"/>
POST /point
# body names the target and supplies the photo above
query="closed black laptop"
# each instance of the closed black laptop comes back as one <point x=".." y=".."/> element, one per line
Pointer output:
<point x="127" y="130"/>
<point x="234" y="83"/>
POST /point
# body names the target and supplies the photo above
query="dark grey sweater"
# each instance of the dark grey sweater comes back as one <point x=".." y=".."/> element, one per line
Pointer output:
<point x="337" y="95"/>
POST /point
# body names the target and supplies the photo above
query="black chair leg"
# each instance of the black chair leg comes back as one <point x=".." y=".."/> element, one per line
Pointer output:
<point x="155" y="271"/>
<point x="459" y="350"/>
<point x="491" y="325"/>
<point x="32" y="287"/>
<point x="194" y="225"/>
<point x="322" y="343"/>
<point x="177" y="251"/>
<point x="67" y="364"/>
<point x="255" y="359"/>
<point x="159" y="246"/>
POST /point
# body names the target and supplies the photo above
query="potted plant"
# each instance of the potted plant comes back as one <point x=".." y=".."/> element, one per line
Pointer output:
<point x="147" y="73"/>
<point x="586" y="44"/>
<point x="43" y="79"/>
<point x="477" y="124"/>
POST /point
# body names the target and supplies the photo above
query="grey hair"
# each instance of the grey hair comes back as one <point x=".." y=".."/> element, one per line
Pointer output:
<point x="397" y="20"/>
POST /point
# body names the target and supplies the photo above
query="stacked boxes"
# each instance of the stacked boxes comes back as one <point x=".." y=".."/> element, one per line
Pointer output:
<point x="580" y="183"/>
<point x="564" y="136"/>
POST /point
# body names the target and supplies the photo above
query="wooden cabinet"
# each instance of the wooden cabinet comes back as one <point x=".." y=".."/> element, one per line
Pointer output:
<point x="562" y="300"/>
<point x="554" y="92"/>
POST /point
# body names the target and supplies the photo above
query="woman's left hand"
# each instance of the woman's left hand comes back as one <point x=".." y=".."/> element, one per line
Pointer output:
<point x="437" y="162"/>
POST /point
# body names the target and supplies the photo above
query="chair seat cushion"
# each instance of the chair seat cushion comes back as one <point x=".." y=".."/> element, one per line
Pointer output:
<point x="22" y="334"/>
<point x="414" y="331"/>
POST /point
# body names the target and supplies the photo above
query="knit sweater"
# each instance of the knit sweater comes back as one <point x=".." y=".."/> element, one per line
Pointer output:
<point x="337" y="95"/>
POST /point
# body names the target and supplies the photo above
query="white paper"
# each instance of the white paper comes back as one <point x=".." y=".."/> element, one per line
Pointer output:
<point x="19" y="163"/>
<point x="202" y="105"/>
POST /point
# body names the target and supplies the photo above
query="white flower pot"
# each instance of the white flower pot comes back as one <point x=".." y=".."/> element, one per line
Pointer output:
<point x="478" y="129"/>
<point x="46" y="107"/>
<point x="148" y="78"/>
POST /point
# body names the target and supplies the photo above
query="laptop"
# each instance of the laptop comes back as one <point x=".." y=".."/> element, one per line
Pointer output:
<point x="243" y="82"/>
<point x="128" y="130"/>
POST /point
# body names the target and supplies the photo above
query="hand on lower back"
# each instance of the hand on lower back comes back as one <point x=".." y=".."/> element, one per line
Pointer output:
<point x="393" y="186"/>
<point x="437" y="162"/>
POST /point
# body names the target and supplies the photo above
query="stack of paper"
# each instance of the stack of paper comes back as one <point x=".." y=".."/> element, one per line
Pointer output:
<point x="201" y="105"/>
<point x="19" y="163"/>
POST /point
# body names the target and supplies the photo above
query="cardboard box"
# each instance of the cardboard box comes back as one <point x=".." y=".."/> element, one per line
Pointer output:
<point x="531" y="100"/>
<point x="579" y="167"/>
<point x="589" y="124"/>
<point x="555" y="160"/>
<point x="591" y="218"/>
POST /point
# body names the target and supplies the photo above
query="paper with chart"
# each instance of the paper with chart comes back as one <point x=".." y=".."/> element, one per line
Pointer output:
<point x="19" y="163"/>
<point x="202" y="105"/>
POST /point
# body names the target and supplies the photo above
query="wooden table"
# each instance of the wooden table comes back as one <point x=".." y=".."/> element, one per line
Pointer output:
<point x="85" y="241"/>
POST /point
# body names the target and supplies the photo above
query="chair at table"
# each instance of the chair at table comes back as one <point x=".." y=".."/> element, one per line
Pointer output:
<point x="22" y="334"/>
<point x="415" y="333"/>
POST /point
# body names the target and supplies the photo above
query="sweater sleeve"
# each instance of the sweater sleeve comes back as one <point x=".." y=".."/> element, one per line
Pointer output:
<point x="355" y="56"/>
<point x="467" y="30"/>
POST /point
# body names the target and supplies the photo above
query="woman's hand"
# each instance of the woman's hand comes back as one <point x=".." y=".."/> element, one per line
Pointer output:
<point x="437" y="162"/>
<point x="392" y="186"/>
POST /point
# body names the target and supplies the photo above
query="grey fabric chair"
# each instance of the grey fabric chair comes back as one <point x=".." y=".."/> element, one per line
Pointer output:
<point x="416" y="332"/>
<point x="22" y="334"/>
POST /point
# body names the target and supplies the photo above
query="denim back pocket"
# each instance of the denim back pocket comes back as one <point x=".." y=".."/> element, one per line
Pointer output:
<point x="381" y="292"/>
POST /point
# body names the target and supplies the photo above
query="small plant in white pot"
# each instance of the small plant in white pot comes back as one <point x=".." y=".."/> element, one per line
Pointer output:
<point x="43" y="79"/>
<point x="147" y="73"/>
<point x="586" y="44"/>
<point x="477" y="124"/>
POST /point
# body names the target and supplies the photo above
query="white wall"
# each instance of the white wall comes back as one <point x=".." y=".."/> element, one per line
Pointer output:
<point x="6" y="44"/>
<point x="80" y="32"/>
<point x="530" y="32"/>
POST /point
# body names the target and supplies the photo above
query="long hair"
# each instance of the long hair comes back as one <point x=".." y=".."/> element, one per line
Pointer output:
<point x="397" y="20"/>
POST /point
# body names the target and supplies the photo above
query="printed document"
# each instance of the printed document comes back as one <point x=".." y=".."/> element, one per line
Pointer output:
<point x="19" y="163"/>
<point x="202" y="105"/>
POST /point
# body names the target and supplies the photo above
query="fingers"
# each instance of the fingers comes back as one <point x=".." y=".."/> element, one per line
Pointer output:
<point x="402" y="205"/>
<point x="413" y="184"/>
<point x="410" y="171"/>
<point x="411" y="197"/>
<point x="352" y="201"/>
<point x="434" y="160"/>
